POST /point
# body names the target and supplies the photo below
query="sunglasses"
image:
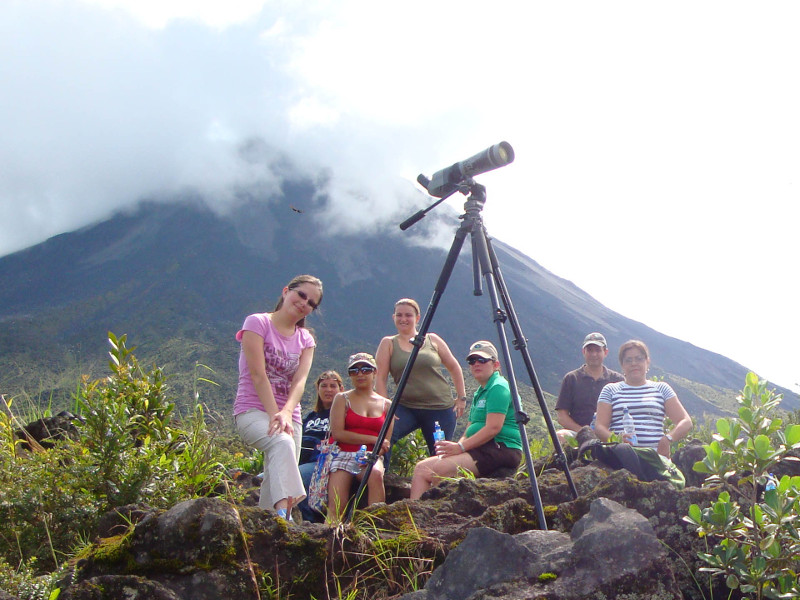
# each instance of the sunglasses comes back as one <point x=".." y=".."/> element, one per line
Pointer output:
<point x="365" y="370"/>
<point x="479" y="359"/>
<point x="304" y="297"/>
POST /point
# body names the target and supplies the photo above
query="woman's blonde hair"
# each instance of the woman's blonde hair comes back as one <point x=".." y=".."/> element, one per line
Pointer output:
<point x="410" y="302"/>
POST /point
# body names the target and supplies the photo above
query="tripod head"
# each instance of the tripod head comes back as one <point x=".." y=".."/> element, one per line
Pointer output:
<point x="476" y="196"/>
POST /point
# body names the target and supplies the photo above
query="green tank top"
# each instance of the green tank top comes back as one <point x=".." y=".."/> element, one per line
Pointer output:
<point x="426" y="386"/>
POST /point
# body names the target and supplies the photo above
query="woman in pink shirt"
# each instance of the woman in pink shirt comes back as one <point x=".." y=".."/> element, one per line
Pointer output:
<point x="276" y="355"/>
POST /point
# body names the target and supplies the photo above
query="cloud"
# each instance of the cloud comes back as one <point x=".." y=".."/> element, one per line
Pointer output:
<point x="100" y="110"/>
<point x="158" y="13"/>
<point x="664" y="135"/>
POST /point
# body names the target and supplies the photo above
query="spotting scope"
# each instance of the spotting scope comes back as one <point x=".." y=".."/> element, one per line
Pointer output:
<point x="447" y="180"/>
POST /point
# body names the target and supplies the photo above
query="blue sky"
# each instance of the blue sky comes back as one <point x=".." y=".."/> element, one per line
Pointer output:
<point x="657" y="152"/>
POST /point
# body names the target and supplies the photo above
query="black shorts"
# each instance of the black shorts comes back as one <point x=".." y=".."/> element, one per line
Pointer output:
<point x="493" y="455"/>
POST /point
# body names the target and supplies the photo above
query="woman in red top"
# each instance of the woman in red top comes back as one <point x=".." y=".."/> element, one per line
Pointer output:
<point x="357" y="416"/>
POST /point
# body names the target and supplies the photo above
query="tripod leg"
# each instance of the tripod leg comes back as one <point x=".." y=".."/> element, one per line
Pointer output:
<point x="477" y="272"/>
<point x="480" y="244"/>
<point x="419" y="339"/>
<point x="521" y="344"/>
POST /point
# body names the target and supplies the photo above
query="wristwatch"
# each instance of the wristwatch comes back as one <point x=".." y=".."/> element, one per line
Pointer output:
<point x="669" y="437"/>
<point x="462" y="398"/>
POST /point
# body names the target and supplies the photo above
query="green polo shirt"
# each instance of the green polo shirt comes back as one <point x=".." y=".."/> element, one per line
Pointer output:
<point x="495" y="397"/>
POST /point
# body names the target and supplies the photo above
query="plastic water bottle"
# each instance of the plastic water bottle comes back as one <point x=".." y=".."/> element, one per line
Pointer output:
<point x="772" y="482"/>
<point x="594" y="420"/>
<point x="438" y="434"/>
<point x="361" y="456"/>
<point x="628" y="425"/>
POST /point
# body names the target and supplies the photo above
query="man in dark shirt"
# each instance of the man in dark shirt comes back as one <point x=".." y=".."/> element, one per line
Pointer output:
<point x="577" y="400"/>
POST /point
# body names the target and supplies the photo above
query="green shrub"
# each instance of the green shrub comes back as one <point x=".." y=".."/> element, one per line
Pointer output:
<point x="130" y="451"/>
<point x="194" y="461"/>
<point x="758" y="543"/>
<point x="407" y="452"/>
<point x="24" y="584"/>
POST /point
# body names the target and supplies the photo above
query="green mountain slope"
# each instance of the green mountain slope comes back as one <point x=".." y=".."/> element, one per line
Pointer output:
<point x="179" y="280"/>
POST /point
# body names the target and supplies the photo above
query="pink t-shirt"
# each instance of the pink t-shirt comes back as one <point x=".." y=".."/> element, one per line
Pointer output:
<point x="282" y="357"/>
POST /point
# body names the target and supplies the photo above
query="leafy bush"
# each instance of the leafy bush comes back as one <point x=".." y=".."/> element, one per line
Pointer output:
<point x="126" y="430"/>
<point x="44" y="508"/>
<point x="24" y="584"/>
<point x="130" y="451"/>
<point x="758" y="540"/>
<point x="407" y="452"/>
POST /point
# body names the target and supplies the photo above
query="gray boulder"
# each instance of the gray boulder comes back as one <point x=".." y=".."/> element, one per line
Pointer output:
<point x="612" y="552"/>
<point x="188" y="551"/>
<point x="45" y="432"/>
<point x="129" y="587"/>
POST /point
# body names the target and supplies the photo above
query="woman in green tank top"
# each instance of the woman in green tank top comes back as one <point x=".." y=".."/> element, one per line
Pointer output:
<point x="427" y="398"/>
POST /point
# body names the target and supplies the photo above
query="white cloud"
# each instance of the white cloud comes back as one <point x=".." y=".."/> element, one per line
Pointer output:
<point x="657" y="162"/>
<point x="159" y="13"/>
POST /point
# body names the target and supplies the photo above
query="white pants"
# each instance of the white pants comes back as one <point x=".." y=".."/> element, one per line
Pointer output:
<point x="281" y="475"/>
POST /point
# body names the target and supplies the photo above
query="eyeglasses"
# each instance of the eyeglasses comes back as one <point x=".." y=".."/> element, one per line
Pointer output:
<point x="365" y="370"/>
<point x="304" y="296"/>
<point x="480" y="359"/>
<point x="629" y="360"/>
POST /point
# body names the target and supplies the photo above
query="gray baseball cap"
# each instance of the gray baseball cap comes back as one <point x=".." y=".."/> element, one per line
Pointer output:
<point x="484" y="349"/>
<point x="595" y="338"/>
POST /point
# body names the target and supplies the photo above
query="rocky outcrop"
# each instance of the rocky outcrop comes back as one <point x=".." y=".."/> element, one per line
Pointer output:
<point x="45" y="432"/>
<point x="189" y="551"/>
<point x="686" y="457"/>
<point x="611" y="552"/>
<point x="209" y="548"/>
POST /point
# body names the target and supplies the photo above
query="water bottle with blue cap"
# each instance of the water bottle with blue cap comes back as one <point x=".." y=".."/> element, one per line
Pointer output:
<point x="628" y="426"/>
<point x="772" y="482"/>
<point x="361" y="457"/>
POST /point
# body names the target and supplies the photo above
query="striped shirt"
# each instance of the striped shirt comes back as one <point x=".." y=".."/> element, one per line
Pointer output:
<point x="646" y="405"/>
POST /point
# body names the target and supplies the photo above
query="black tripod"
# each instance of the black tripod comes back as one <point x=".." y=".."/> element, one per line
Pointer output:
<point x="484" y="262"/>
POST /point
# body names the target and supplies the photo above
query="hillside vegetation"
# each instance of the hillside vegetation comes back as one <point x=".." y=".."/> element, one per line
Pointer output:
<point x="180" y="279"/>
<point x="136" y="445"/>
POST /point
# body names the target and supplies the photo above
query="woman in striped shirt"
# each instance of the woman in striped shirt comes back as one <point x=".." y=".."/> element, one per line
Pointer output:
<point x="647" y="401"/>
